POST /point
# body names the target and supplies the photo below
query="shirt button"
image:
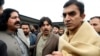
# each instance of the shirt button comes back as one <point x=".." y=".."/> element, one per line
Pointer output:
<point x="15" y="42"/>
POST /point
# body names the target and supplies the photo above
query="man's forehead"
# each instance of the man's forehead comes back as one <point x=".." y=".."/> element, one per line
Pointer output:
<point x="24" y="25"/>
<point x="95" y="20"/>
<point x="70" y="8"/>
<point x="45" y="22"/>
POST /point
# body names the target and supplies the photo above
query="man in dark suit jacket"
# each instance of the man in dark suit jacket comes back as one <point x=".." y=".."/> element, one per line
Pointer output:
<point x="47" y="42"/>
<point x="3" y="48"/>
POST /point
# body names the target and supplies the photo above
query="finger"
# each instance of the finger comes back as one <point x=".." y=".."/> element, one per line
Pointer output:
<point x="55" y="52"/>
<point x="49" y="55"/>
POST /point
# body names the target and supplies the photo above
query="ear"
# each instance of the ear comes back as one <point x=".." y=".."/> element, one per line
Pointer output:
<point x="83" y="16"/>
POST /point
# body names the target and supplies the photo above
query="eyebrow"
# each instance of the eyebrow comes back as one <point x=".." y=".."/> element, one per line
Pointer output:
<point x="69" y="13"/>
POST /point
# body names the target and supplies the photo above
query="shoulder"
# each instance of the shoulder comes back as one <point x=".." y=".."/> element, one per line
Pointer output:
<point x="2" y="32"/>
<point x="19" y="30"/>
<point x="39" y="34"/>
<point x="2" y="44"/>
<point x="32" y="35"/>
<point x="3" y="35"/>
<point x="54" y="36"/>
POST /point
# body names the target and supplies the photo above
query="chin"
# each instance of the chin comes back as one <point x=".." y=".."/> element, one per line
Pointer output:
<point x="46" y="34"/>
<point x="17" y="27"/>
<point x="70" y="28"/>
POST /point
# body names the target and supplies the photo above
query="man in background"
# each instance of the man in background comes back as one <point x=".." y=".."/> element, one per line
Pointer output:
<point x="35" y="29"/>
<point x="47" y="42"/>
<point x="31" y="38"/>
<point x="61" y="31"/>
<point x="95" y="22"/>
<point x="55" y="29"/>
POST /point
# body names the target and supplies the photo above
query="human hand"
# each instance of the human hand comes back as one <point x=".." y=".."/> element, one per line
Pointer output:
<point x="55" y="53"/>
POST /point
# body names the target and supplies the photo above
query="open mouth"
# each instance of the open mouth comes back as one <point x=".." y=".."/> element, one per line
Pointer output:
<point x="17" y="24"/>
<point x="45" y="31"/>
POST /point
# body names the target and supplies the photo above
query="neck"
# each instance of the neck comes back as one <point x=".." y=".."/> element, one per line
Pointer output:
<point x="9" y="30"/>
<point x="99" y="33"/>
<point x="72" y="32"/>
<point x="45" y="35"/>
<point x="27" y="35"/>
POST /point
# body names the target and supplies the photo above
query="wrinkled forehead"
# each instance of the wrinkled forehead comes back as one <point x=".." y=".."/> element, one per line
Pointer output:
<point x="95" y="20"/>
<point x="25" y="25"/>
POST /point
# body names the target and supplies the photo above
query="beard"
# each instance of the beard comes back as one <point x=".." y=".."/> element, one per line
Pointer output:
<point x="26" y="33"/>
<point x="46" y="32"/>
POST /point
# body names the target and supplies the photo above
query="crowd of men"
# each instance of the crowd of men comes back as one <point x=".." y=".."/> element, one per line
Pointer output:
<point x="77" y="38"/>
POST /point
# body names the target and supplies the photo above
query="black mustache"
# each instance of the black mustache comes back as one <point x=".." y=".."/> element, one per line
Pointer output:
<point x="17" y="22"/>
<point x="45" y="30"/>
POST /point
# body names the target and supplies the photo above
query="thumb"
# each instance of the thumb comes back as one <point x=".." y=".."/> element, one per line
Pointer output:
<point x="55" y="52"/>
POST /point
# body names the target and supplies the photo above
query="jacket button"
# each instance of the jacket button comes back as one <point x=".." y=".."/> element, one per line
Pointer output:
<point x="15" y="42"/>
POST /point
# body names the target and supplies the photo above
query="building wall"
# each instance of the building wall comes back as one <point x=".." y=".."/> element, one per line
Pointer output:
<point x="33" y="21"/>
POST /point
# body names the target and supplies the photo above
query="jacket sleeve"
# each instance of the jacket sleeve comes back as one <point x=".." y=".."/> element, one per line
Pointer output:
<point x="3" y="49"/>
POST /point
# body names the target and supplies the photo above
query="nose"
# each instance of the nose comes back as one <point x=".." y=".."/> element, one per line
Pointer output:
<point x="18" y="19"/>
<point x="46" y="26"/>
<point x="91" y="24"/>
<point x="67" y="18"/>
<point x="24" y="29"/>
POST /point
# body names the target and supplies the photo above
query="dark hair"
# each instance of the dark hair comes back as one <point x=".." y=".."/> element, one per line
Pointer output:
<point x="95" y="17"/>
<point x="57" y="26"/>
<point x="1" y="2"/>
<point x="41" y="23"/>
<point x="4" y="18"/>
<point x="80" y="5"/>
<point x="36" y="26"/>
<point x="25" y="24"/>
